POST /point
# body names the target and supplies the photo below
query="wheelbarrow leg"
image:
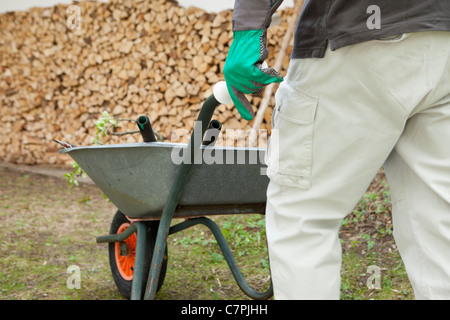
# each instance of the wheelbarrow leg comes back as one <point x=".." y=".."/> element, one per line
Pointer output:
<point x="138" y="273"/>
<point x="181" y="179"/>
<point x="214" y="228"/>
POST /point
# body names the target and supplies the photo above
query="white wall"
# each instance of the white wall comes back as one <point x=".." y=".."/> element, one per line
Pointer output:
<point x="21" y="5"/>
<point x="209" y="5"/>
<point x="219" y="5"/>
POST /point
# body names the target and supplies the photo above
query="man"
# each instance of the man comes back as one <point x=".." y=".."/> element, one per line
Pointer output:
<point x="368" y="85"/>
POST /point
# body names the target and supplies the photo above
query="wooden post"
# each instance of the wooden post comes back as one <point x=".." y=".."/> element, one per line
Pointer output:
<point x="278" y="64"/>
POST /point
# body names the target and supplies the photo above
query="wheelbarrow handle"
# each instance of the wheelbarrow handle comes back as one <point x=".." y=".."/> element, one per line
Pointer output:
<point x="221" y="94"/>
<point x="209" y="106"/>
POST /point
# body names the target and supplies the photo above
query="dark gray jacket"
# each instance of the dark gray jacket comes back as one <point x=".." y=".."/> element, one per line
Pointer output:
<point x="340" y="23"/>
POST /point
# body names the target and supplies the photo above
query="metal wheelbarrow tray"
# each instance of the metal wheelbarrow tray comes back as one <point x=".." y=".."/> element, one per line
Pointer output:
<point x="138" y="177"/>
<point x="151" y="183"/>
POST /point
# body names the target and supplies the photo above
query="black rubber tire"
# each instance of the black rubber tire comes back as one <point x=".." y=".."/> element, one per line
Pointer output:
<point x="124" y="285"/>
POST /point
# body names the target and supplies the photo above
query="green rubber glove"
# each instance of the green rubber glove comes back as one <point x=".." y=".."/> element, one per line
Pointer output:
<point x="243" y="71"/>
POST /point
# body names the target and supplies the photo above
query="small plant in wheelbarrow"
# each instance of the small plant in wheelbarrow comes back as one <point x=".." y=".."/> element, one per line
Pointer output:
<point x="104" y="125"/>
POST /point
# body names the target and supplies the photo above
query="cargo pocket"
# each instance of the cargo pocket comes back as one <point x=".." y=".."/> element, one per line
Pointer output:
<point x="289" y="154"/>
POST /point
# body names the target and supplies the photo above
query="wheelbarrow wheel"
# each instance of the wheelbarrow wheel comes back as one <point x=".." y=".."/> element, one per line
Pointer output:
<point x="122" y="255"/>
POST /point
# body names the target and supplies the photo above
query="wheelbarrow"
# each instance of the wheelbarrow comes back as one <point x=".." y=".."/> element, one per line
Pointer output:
<point x="153" y="182"/>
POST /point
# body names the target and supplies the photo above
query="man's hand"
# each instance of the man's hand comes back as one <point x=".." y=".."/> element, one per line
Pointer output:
<point x="243" y="71"/>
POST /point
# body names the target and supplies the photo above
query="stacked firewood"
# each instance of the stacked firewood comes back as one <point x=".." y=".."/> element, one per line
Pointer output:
<point x="128" y="57"/>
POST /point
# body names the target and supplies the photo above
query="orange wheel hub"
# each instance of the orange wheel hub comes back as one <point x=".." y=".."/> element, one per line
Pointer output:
<point x="125" y="262"/>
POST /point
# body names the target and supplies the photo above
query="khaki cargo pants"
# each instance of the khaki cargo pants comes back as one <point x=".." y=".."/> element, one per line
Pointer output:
<point x="337" y="121"/>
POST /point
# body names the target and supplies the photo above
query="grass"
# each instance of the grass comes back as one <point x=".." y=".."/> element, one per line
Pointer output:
<point x="48" y="227"/>
<point x="368" y="245"/>
<point x="194" y="254"/>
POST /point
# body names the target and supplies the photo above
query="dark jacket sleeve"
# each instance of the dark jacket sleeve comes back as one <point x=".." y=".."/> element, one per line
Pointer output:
<point x="254" y="14"/>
